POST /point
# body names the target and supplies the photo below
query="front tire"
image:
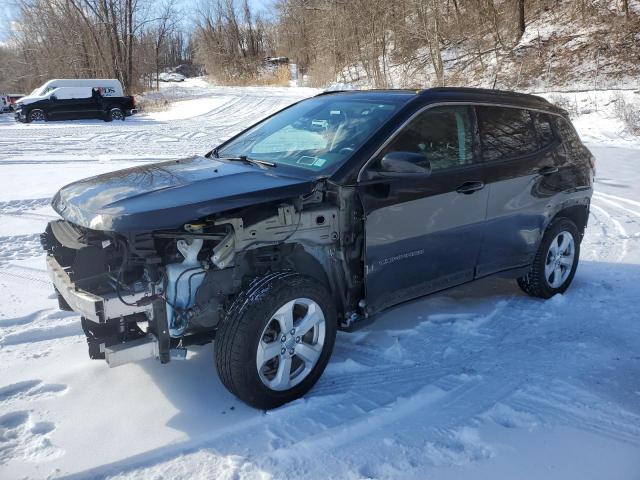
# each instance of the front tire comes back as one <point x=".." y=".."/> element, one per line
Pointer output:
<point x="36" y="115"/>
<point x="556" y="261"/>
<point x="276" y="339"/>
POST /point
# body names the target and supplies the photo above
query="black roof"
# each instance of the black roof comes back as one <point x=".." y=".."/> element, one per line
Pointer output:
<point x="460" y="94"/>
<point x="399" y="95"/>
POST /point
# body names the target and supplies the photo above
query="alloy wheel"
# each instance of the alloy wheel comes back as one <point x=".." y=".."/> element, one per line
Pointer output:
<point x="560" y="258"/>
<point x="37" y="116"/>
<point x="117" y="114"/>
<point x="291" y="344"/>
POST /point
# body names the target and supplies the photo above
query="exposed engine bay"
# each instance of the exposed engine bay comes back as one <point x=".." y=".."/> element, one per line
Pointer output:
<point x="153" y="293"/>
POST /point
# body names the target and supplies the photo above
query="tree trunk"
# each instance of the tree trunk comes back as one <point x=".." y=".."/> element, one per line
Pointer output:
<point x="625" y="7"/>
<point x="520" y="17"/>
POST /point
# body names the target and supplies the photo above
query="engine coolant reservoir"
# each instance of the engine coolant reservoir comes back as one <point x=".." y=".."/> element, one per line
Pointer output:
<point x="183" y="280"/>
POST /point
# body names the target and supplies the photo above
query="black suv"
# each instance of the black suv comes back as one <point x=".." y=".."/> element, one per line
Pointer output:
<point x="315" y="219"/>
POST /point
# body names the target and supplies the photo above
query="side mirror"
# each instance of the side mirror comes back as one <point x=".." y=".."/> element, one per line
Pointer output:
<point x="404" y="164"/>
<point x="53" y="97"/>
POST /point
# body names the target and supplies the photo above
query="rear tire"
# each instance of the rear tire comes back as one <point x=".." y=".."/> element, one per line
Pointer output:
<point x="256" y="359"/>
<point x="556" y="261"/>
<point x="114" y="114"/>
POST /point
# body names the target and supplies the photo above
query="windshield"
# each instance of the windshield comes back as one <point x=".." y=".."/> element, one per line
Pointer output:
<point x="317" y="134"/>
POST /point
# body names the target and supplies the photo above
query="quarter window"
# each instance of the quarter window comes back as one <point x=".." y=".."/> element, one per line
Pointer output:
<point x="506" y="132"/>
<point x="441" y="135"/>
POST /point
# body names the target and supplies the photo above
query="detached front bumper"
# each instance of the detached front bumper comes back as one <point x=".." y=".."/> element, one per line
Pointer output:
<point x="99" y="309"/>
<point x="19" y="116"/>
<point x="133" y="111"/>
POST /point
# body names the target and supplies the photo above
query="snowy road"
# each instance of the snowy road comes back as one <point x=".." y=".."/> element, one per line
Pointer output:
<point x="478" y="382"/>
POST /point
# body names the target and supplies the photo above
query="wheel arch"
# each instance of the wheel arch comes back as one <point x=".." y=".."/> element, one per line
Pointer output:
<point x="303" y="262"/>
<point x="310" y="260"/>
<point x="578" y="213"/>
<point x="37" y="108"/>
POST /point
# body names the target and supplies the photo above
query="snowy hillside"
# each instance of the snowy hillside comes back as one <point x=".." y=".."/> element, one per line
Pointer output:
<point x="478" y="382"/>
<point x="560" y="50"/>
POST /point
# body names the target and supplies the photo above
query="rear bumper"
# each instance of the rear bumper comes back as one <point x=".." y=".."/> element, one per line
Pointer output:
<point x="99" y="309"/>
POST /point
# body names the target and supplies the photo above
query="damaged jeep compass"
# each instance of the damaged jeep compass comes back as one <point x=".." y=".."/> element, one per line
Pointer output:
<point x="314" y="220"/>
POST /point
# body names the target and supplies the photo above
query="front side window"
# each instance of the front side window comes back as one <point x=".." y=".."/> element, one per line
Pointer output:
<point x="442" y="136"/>
<point x="315" y="135"/>
<point x="506" y="132"/>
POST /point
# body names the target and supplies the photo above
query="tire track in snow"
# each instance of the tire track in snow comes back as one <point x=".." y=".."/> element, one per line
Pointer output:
<point x="615" y="197"/>
<point x="618" y="205"/>
<point x="180" y="138"/>
<point x="17" y="207"/>
<point x="567" y="405"/>
<point x="19" y="247"/>
<point x="30" y="275"/>
<point x="39" y="326"/>
<point x="622" y="232"/>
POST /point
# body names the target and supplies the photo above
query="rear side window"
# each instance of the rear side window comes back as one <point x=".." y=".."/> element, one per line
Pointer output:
<point x="542" y="123"/>
<point x="569" y="137"/>
<point x="506" y="132"/>
<point x="442" y="135"/>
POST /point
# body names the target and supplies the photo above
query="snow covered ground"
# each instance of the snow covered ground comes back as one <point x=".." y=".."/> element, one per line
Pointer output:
<point x="478" y="382"/>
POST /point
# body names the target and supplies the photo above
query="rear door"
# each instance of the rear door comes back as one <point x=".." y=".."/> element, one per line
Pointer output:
<point x="86" y="105"/>
<point x="521" y="170"/>
<point x="423" y="233"/>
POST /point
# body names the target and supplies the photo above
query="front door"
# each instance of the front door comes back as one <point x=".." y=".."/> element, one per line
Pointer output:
<point x="424" y="232"/>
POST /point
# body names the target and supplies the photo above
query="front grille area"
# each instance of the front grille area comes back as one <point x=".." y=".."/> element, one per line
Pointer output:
<point x="91" y="259"/>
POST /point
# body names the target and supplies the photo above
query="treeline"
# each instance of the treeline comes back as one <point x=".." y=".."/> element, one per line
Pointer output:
<point x="231" y="41"/>
<point x="131" y="40"/>
<point x="380" y="43"/>
<point x="346" y="40"/>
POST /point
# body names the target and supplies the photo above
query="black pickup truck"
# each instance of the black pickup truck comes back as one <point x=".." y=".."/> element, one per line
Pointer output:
<point x="72" y="104"/>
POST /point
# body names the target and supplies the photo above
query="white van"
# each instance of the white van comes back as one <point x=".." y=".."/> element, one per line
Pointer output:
<point x="108" y="87"/>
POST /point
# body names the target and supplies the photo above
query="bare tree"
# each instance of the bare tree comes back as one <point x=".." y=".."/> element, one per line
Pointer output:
<point x="161" y="29"/>
<point x="520" y="19"/>
<point x="90" y="38"/>
<point x="625" y="7"/>
<point x="231" y="41"/>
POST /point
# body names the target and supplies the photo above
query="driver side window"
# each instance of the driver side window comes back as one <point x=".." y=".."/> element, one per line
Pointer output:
<point x="442" y="136"/>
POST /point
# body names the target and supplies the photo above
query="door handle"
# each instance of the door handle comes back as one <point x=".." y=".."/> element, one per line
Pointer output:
<point x="548" y="170"/>
<point x="469" y="187"/>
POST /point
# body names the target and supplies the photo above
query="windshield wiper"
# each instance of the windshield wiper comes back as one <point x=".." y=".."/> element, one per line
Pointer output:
<point x="245" y="159"/>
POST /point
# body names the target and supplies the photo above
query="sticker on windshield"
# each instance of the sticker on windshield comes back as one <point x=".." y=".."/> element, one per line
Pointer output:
<point x="307" y="160"/>
<point x="319" y="162"/>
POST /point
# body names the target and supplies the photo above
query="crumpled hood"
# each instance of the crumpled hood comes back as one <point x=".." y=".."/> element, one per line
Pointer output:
<point x="169" y="194"/>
